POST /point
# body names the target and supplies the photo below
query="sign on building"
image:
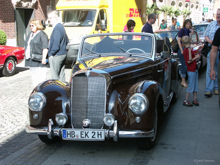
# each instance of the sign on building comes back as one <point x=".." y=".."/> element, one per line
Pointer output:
<point x="205" y="9"/>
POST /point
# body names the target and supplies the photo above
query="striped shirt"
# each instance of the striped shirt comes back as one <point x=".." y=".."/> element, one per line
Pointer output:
<point x="211" y="29"/>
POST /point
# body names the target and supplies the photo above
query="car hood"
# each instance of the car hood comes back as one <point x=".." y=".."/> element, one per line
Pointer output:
<point x="9" y="49"/>
<point x="115" y="65"/>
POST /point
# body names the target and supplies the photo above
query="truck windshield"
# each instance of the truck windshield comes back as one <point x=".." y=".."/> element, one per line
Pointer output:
<point x="78" y="17"/>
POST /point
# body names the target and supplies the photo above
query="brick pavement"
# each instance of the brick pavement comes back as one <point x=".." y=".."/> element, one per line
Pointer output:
<point x="14" y="94"/>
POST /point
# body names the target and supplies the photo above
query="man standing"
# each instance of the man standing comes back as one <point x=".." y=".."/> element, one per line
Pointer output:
<point x="209" y="35"/>
<point x="213" y="57"/>
<point x="57" y="48"/>
<point x="147" y="28"/>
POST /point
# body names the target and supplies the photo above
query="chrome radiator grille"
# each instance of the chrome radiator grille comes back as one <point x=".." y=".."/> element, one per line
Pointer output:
<point x="88" y="100"/>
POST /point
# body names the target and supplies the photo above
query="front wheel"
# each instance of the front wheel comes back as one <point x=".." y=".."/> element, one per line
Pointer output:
<point x="9" y="67"/>
<point x="46" y="140"/>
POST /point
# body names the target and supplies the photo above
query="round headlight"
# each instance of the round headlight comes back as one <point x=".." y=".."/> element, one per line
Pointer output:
<point x="109" y="119"/>
<point x="61" y="119"/>
<point x="138" y="103"/>
<point x="37" y="101"/>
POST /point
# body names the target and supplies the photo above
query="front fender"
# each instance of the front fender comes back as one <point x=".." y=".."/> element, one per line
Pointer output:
<point x="57" y="96"/>
<point x="153" y="91"/>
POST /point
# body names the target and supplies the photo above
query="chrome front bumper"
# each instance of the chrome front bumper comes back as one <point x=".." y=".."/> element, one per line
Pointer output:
<point x="51" y="131"/>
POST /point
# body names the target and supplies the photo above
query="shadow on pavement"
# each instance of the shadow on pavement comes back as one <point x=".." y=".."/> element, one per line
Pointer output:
<point x="18" y="69"/>
<point x="21" y="69"/>
<point x="17" y="149"/>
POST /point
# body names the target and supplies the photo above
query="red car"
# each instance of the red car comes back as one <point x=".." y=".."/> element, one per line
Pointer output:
<point x="9" y="57"/>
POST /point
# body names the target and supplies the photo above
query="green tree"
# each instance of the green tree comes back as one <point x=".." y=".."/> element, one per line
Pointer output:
<point x="152" y="9"/>
<point x="177" y="12"/>
<point x="3" y="37"/>
<point x="167" y="10"/>
<point x="186" y="13"/>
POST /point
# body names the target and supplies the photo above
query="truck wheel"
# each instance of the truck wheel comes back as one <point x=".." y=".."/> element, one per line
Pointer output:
<point x="9" y="67"/>
<point x="46" y="140"/>
<point x="148" y="143"/>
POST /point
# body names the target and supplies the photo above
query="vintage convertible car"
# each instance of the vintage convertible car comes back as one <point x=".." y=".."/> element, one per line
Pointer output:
<point x="120" y="86"/>
<point x="9" y="57"/>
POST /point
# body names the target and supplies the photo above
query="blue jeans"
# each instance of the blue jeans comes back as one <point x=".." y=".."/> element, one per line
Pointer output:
<point x="211" y="84"/>
<point x="183" y="68"/>
<point x="193" y="81"/>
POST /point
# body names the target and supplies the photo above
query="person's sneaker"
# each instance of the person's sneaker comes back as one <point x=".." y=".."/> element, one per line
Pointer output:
<point x="195" y="102"/>
<point x="208" y="94"/>
<point x="216" y="92"/>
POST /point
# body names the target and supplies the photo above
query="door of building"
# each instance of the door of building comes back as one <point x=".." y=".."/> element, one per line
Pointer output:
<point x="23" y="17"/>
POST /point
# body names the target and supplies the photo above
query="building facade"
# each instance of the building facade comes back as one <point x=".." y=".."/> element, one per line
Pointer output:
<point x="16" y="14"/>
<point x="198" y="9"/>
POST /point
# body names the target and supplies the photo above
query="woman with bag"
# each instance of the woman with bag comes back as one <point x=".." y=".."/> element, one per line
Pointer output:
<point x="183" y="32"/>
<point x="36" y="49"/>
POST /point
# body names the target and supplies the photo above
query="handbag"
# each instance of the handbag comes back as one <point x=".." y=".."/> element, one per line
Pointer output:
<point x="206" y="48"/>
<point x="175" y="45"/>
<point x="36" y="57"/>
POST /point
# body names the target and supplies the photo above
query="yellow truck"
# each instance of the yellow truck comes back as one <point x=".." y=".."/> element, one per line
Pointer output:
<point x="83" y="17"/>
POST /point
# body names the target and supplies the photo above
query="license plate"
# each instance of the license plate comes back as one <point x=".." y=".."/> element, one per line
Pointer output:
<point x="83" y="134"/>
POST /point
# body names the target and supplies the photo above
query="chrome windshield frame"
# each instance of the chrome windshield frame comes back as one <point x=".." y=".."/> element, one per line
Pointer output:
<point x="153" y="48"/>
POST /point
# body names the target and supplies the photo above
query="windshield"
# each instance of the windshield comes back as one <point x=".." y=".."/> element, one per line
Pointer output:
<point x="78" y="17"/>
<point x="169" y="34"/>
<point x="123" y="44"/>
<point x="200" y="28"/>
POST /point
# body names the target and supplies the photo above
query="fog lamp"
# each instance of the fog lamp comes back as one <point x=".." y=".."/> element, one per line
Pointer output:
<point x="109" y="119"/>
<point x="138" y="119"/>
<point x="61" y="119"/>
<point x="35" y="116"/>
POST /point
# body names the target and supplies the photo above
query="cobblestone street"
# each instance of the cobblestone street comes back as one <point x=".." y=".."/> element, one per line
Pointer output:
<point x="188" y="136"/>
<point x="14" y="94"/>
<point x="13" y="104"/>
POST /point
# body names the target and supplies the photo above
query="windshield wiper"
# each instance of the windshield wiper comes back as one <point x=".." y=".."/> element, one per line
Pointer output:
<point x="93" y="52"/>
<point x="125" y="51"/>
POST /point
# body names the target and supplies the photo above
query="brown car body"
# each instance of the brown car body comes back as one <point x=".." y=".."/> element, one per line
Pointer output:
<point x="108" y="88"/>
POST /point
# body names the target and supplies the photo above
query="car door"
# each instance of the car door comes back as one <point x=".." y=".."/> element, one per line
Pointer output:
<point x="163" y="71"/>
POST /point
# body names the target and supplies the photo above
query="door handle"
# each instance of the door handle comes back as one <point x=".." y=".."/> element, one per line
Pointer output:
<point x="160" y="70"/>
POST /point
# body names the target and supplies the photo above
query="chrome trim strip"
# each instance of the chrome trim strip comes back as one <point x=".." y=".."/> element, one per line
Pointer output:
<point x="36" y="130"/>
<point x="136" y="70"/>
<point x="136" y="134"/>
